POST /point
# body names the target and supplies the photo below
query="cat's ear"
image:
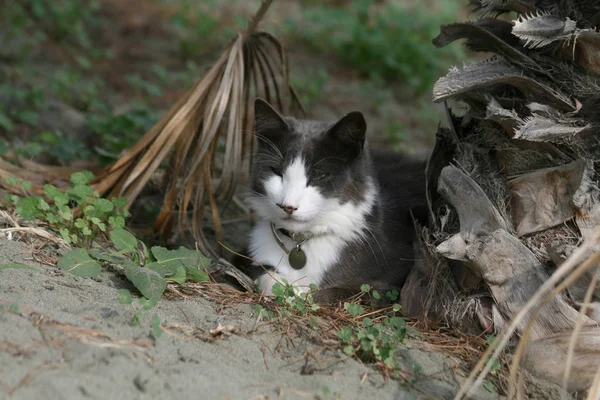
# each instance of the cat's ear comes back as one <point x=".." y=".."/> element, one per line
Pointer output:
<point x="268" y="123"/>
<point x="350" y="130"/>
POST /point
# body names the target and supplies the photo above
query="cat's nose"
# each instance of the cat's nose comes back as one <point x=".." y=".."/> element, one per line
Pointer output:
<point x="288" y="209"/>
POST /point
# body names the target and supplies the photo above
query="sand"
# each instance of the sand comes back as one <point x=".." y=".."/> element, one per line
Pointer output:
<point x="64" y="337"/>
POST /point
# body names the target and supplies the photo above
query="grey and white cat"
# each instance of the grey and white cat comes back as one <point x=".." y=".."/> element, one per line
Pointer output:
<point x="318" y="189"/>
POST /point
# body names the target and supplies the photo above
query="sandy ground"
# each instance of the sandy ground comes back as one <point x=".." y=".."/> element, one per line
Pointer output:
<point x="64" y="337"/>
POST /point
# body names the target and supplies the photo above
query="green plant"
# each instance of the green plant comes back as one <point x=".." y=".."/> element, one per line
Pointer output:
<point x="293" y="298"/>
<point x="144" y="305"/>
<point x="61" y="147"/>
<point x="370" y="340"/>
<point x="390" y="42"/>
<point x="120" y="131"/>
<point x="71" y="87"/>
<point x="80" y="225"/>
<point x="192" y="30"/>
<point x="328" y="394"/>
<point x="310" y="84"/>
<point x="63" y="19"/>
<point x="25" y="105"/>
<point x="145" y="87"/>
<point x="147" y="270"/>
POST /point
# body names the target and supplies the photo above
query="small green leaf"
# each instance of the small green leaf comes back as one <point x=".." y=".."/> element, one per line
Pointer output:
<point x="196" y="275"/>
<point x="354" y="309"/>
<point x="150" y="284"/>
<point x="65" y="212"/>
<point x="61" y="200"/>
<point x="81" y="178"/>
<point x="116" y="222"/>
<point x="83" y="62"/>
<point x="148" y="304"/>
<point x="80" y="193"/>
<point x="396" y="307"/>
<point x="27" y="116"/>
<point x="190" y="259"/>
<point x="365" y="288"/>
<point x="123" y="240"/>
<point x="277" y="289"/>
<point x="102" y="206"/>
<point x="111" y="258"/>
<point x="52" y="191"/>
<point x="345" y="334"/>
<point x="3" y="143"/>
<point x="79" y="263"/>
<point x="125" y="297"/>
<point x="367" y="321"/>
<point x="349" y="350"/>
<point x="490" y="387"/>
<point x="376" y="294"/>
<point x="392" y="295"/>
<point x="390" y="363"/>
<point x="137" y="317"/>
<point x="175" y="273"/>
<point x="29" y="208"/>
<point x="18" y="266"/>
<point x="119" y="202"/>
<point x="6" y="123"/>
<point x="64" y="232"/>
<point x="156" y="328"/>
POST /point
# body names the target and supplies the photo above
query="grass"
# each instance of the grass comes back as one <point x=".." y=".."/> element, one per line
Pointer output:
<point x="387" y="43"/>
<point x="384" y="46"/>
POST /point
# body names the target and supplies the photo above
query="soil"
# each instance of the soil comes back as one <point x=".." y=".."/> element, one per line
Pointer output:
<point x="64" y="337"/>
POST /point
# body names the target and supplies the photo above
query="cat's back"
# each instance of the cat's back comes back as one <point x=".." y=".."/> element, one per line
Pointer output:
<point x="401" y="180"/>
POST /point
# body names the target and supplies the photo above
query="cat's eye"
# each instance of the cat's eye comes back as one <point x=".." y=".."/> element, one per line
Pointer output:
<point x="276" y="171"/>
<point x="320" y="176"/>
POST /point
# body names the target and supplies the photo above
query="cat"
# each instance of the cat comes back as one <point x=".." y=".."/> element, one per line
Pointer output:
<point x="330" y="212"/>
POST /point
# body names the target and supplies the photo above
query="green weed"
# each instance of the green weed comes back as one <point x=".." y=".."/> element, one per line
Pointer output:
<point x="140" y="310"/>
<point x="81" y="217"/>
<point x="310" y="84"/>
<point x="374" y="341"/>
<point x="78" y="214"/>
<point x="293" y="298"/>
<point x="192" y="30"/>
<point x="61" y="20"/>
<point x="25" y="103"/>
<point x="69" y="86"/>
<point x="120" y="131"/>
<point x="59" y="146"/>
<point x="392" y="42"/>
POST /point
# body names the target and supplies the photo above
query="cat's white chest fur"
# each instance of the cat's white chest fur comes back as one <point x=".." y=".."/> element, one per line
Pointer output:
<point x="321" y="253"/>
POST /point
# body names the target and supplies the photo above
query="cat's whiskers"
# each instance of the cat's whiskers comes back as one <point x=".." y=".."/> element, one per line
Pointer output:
<point x="271" y="144"/>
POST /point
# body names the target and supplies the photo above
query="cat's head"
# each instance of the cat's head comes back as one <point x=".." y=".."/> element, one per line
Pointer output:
<point x="304" y="171"/>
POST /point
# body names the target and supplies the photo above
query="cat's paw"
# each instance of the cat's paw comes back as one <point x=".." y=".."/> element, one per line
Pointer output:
<point x="266" y="282"/>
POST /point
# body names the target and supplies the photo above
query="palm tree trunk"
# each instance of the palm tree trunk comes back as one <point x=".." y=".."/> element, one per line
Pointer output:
<point x="512" y="181"/>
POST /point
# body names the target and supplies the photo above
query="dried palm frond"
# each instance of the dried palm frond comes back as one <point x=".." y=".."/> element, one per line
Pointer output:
<point x="217" y="109"/>
<point x="542" y="29"/>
